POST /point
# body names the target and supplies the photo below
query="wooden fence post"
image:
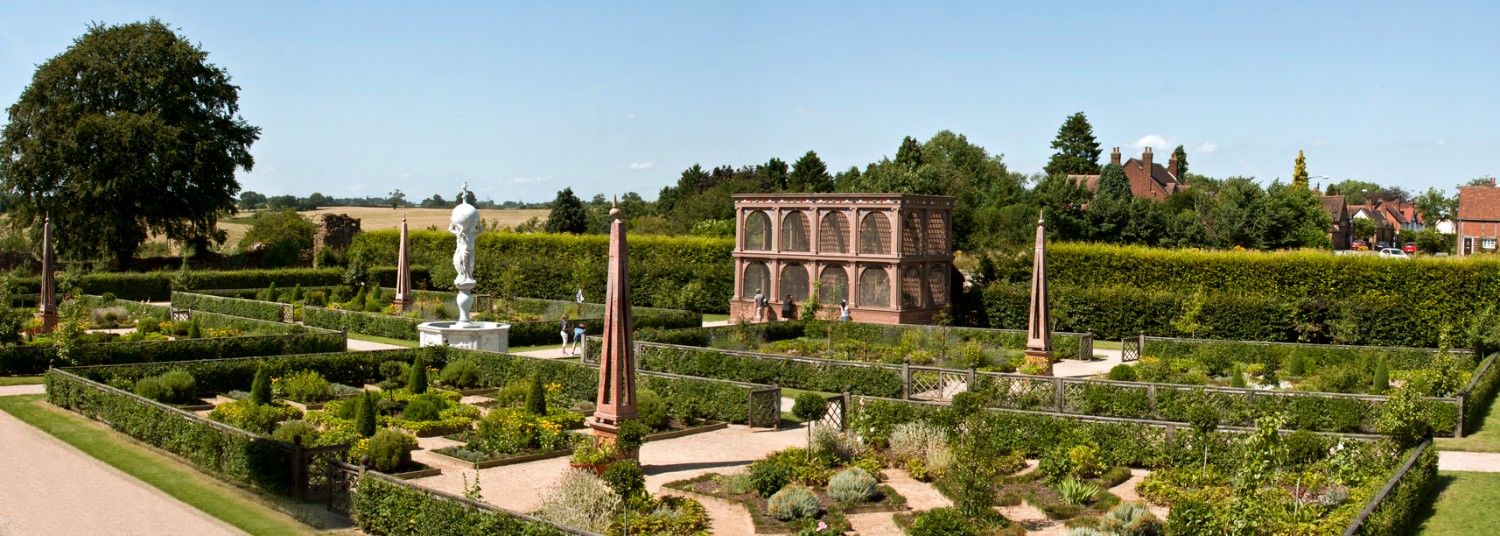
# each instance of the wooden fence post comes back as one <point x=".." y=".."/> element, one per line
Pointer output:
<point x="1151" y="397"/>
<point x="1057" y="395"/>
<point x="905" y="379"/>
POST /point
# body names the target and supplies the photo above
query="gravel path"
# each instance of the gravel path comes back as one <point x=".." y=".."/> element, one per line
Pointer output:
<point x="521" y="487"/>
<point x="1126" y="492"/>
<point x="356" y="345"/>
<point x="13" y="390"/>
<point x="874" y="524"/>
<point x="724" y="518"/>
<point x="1483" y="462"/>
<point x="48" y="487"/>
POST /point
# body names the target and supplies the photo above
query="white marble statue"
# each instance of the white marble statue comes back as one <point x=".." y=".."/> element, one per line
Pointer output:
<point x="464" y="224"/>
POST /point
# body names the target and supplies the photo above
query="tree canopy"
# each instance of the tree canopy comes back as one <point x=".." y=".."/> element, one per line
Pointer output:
<point x="130" y="132"/>
<point x="1299" y="171"/>
<point x="568" y="215"/>
<point x="1077" y="150"/>
<point x="1182" y="164"/>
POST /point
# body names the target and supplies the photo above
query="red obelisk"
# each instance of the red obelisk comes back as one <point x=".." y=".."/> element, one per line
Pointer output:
<point x="403" y="273"/>
<point x="48" y="303"/>
<point x="616" y="402"/>
<point x="1039" y="320"/>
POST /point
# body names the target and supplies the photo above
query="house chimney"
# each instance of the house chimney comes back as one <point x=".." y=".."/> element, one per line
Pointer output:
<point x="1172" y="165"/>
<point x="1146" y="160"/>
<point x="1492" y="182"/>
<point x="1114" y="158"/>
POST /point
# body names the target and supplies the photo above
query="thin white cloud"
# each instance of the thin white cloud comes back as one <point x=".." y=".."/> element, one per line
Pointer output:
<point x="1442" y="142"/>
<point x="530" y="180"/>
<point x="1208" y="147"/>
<point x="640" y="166"/>
<point x="1156" y="142"/>
<point x="1320" y="142"/>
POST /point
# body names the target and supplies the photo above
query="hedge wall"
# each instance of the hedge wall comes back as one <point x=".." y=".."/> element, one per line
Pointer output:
<point x="292" y="339"/>
<point x="521" y="333"/>
<point x="1066" y="345"/>
<point x="1298" y="295"/>
<point x="692" y="273"/>
<point x="1479" y="395"/>
<point x="157" y="286"/>
<point x="233" y="454"/>
<point x="705" y="398"/>
<point x="257" y="309"/>
<point x="389" y="506"/>
<point x="1403" y="506"/>
<point x="1323" y="412"/>
<point x="1396" y="357"/>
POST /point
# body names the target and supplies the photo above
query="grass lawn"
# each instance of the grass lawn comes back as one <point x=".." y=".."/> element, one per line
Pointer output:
<point x="1106" y="345"/>
<point x="20" y="380"/>
<point x="715" y="317"/>
<point x="172" y="476"/>
<point x="1486" y="439"/>
<point x="382" y="340"/>
<point x="1465" y="505"/>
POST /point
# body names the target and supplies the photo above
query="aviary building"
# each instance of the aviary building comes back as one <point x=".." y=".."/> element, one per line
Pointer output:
<point x="889" y="255"/>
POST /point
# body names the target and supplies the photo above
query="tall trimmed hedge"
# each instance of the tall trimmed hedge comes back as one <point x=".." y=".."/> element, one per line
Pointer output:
<point x="693" y="273"/>
<point x="388" y="506"/>
<point x="1066" y="345"/>
<point x="284" y="339"/>
<point x="1398" y="358"/>
<point x="235" y="455"/>
<point x="521" y="333"/>
<point x="1114" y="291"/>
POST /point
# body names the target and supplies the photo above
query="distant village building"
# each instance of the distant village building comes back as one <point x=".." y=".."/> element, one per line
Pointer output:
<point x="1478" y="221"/>
<point x="889" y="255"/>
<point x="1338" y="212"/>
<point x="1148" y="179"/>
<point x="1390" y="217"/>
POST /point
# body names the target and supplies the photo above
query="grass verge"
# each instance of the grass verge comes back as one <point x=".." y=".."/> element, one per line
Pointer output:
<point x="170" y="475"/>
<point x="715" y="317"/>
<point x="20" y="380"/>
<point x="1487" y="439"/>
<point x="1464" y="505"/>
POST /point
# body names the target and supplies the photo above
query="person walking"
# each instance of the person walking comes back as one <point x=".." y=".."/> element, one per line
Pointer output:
<point x="843" y="311"/>
<point x="578" y="331"/>
<point x="788" y="309"/>
<point x="760" y="304"/>
<point x="565" y="333"/>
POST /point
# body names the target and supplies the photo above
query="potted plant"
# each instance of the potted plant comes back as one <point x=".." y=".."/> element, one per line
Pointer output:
<point x="594" y="456"/>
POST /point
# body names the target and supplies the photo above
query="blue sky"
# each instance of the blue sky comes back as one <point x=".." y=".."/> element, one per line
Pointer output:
<point x="523" y="99"/>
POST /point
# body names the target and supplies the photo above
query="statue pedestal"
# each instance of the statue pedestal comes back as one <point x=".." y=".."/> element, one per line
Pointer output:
<point x="1036" y="357"/>
<point x="487" y="336"/>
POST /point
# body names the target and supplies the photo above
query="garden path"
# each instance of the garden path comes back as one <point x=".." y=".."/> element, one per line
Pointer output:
<point x="1126" y="492"/>
<point x="521" y="487"/>
<point x="51" y="488"/>
<point x="356" y="345"/>
<point x="1074" y="369"/>
<point x="1482" y="462"/>
<point x="13" y="390"/>
<point x="724" y="517"/>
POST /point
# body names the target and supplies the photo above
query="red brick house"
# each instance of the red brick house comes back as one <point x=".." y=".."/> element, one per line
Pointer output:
<point x="1478" y="221"/>
<point x="1338" y="233"/>
<point x="1148" y="179"/>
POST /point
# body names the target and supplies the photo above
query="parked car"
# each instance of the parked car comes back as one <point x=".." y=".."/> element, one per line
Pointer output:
<point x="1409" y="248"/>
<point x="1359" y="245"/>
<point x="1394" y="253"/>
<point x="1382" y="245"/>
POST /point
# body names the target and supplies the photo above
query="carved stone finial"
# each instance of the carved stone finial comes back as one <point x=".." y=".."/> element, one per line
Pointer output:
<point x="614" y="207"/>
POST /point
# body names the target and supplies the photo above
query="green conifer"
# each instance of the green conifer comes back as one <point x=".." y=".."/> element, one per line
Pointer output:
<point x="536" y="398"/>
<point x="260" y="389"/>
<point x="416" y="380"/>
<point x="364" y="416"/>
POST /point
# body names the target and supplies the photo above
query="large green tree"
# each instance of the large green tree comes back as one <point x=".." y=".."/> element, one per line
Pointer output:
<point x="1077" y="150"/>
<point x="568" y="214"/>
<point x="1434" y="206"/>
<point x="130" y="132"/>
<point x="1182" y="164"/>
<point x="809" y="174"/>
<point x="282" y="234"/>
<point x="1113" y="184"/>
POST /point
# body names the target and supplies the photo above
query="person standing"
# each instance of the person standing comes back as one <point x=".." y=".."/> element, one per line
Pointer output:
<point x="843" y="311"/>
<point x="760" y="304"/>
<point x="788" y="309"/>
<point x="565" y="333"/>
<point x="578" y="332"/>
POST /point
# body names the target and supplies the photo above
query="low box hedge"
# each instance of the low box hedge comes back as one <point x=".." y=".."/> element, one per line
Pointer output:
<point x="391" y="506"/>
<point x="1397" y="357"/>
<point x="232" y="454"/>
<point x="245" y="308"/>
<point x="1066" y="345"/>
<point x="158" y="286"/>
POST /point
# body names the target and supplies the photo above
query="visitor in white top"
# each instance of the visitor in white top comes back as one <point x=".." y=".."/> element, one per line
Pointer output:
<point x="843" y="311"/>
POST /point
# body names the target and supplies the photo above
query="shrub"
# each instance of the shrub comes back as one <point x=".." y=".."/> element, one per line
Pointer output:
<point x="462" y="373"/>
<point x="631" y="435"/>
<point x="174" y="387"/>
<point x="650" y="409"/>
<point x="394" y="373"/>
<point x="1382" y="381"/>
<point x="942" y="522"/>
<point x="737" y="483"/>
<point x="425" y="407"/>
<point x="1122" y="372"/>
<point x="258" y="418"/>
<point x="307" y="386"/>
<point x="1131" y="519"/>
<point x="911" y="440"/>
<point x="1077" y="492"/>
<point x="1083" y="461"/>
<point x="390" y="450"/>
<point x="195" y="331"/>
<point x="260" y="388"/>
<point x="809" y="406"/>
<point x="792" y="502"/>
<point x="834" y="445"/>
<point x="536" y="397"/>
<point x="287" y="431"/>
<point x="852" y="485"/>
<point x="364" y="415"/>
<point x="769" y="475"/>
<point x="626" y="478"/>
<point x="416" y="380"/>
<point x="150" y="387"/>
<point x="580" y="500"/>
<point x="971" y="482"/>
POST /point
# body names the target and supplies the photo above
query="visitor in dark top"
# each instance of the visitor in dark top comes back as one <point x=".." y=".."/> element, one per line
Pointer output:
<point x="788" y="309"/>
